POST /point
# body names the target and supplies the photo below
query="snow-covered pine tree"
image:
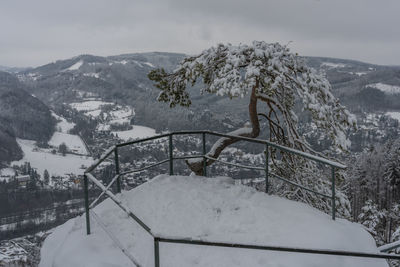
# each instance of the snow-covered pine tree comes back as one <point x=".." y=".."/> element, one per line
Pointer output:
<point x="46" y="177"/>
<point x="268" y="73"/>
<point x="394" y="217"/>
<point x="392" y="169"/>
<point x="373" y="220"/>
<point x="375" y="176"/>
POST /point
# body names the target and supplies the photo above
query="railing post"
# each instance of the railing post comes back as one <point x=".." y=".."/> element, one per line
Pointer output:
<point x="266" y="169"/>
<point x="204" y="156"/>
<point x="86" y="191"/>
<point x="171" y="158"/>
<point x="117" y="169"/>
<point x="156" y="252"/>
<point x="333" y="194"/>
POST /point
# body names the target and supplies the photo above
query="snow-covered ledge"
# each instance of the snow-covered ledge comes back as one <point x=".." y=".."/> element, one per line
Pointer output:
<point x="212" y="209"/>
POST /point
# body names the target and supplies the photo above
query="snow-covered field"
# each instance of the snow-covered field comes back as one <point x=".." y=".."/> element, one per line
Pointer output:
<point x="139" y="63"/>
<point x="137" y="132"/>
<point x="117" y="115"/>
<point x="212" y="209"/>
<point x="386" y="88"/>
<point x="358" y="73"/>
<point x="121" y="115"/>
<point x="55" y="164"/>
<point x="394" y="115"/>
<point x="76" y="66"/>
<point x="332" y="65"/>
<point x="63" y="125"/>
<point x="89" y="105"/>
<point x="6" y="174"/>
<point x="73" y="142"/>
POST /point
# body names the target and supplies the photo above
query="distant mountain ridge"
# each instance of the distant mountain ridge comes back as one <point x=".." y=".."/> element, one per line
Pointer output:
<point x="13" y="69"/>
<point x="124" y="78"/>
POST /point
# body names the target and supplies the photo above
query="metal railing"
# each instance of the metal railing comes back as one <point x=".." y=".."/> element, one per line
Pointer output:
<point x="157" y="239"/>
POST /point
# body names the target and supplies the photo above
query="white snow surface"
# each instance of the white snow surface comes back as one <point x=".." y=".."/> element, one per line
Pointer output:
<point x="89" y="105"/>
<point x="394" y="115"/>
<point x="386" y="88"/>
<point x="6" y="174"/>
<point x="63" y="125"/>
<point x="212" y="209"/>
<point x="136" y="133"/>
<point x="358" y="73"/>
<point x="333" y="65"/>
<point x="55" y="164"/>
<point x="92" y="74"/>
<point x="76" y="66"/>
<point x="73" y="142"/>
<point x="149" y="64"/>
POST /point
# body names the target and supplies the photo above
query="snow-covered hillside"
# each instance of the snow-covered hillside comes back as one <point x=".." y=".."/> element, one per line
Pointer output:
<point x="212" y="209"/>
<point x="394" y="115"/>
<point x="63" y="126"/>
<point x="386" y="88"/>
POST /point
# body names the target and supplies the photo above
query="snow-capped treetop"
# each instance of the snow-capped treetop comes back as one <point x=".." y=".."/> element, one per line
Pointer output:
<point x="278" y="77"/>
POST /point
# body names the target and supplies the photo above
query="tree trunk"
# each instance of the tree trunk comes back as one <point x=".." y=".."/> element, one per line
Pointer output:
<point x="196" y="165"/>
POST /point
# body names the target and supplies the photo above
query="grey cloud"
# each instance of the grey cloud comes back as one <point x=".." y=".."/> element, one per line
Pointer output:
<point x="36" y="32"/>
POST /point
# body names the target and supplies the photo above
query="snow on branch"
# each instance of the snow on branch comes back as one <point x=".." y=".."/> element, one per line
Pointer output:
<point x="279" y="78"/>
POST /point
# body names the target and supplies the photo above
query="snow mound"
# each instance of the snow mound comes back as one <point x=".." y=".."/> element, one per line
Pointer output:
<point x="212" y="209"/>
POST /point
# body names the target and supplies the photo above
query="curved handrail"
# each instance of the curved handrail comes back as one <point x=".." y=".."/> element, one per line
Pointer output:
<point x="189" y="241"/>
<point x="252" y="140"/>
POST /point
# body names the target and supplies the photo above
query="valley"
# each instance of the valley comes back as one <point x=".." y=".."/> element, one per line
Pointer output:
<point x="92" y="103"/>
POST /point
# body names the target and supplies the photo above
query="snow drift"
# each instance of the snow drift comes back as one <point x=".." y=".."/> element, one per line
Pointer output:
<point x="212" y="209"/>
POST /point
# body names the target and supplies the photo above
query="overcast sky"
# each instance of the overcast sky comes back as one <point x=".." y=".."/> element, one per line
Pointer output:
<point x="35" y="32"/>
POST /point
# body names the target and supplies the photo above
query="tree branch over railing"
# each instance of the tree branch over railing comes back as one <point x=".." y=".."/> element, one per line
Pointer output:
<point x="269" y="73"/>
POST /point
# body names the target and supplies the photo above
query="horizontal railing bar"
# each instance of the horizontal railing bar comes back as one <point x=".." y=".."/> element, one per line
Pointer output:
<point x="389" y="247"/>
<point x="159" y="163"/>
<point x="296" y="184"/>
<point x="274" y="175"/>
<point x="189" y="132"/>
<point x="278" y="248"/>
<point x="235" y="164"/>
<point x="283" y="148"/>
<point x="189" y="157"/>
<point x="144" y="140"/>
<point x="119" y="203"/>
<point x="253" y="140"/>
<point x="100" y="160"/>
<point x="103" y="192"/>
<point x="145" y="168"/>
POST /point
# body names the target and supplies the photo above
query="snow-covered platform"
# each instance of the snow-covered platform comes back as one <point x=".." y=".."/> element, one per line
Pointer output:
<point x="212" y="209"/>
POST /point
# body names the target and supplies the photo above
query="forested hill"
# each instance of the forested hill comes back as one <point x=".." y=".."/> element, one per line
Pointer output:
<point x="122" y="79"/>
<point x="21" y="115"/>
<point x="362" y="86"/>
